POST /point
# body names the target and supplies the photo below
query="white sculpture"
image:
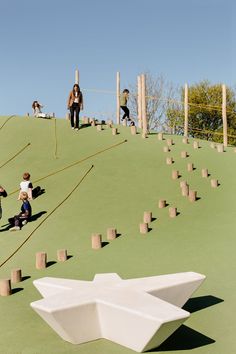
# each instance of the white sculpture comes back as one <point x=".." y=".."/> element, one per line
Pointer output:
<point x="136" y="313"/>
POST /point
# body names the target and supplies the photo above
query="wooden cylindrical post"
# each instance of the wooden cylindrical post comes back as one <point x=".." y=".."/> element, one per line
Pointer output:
<point x="139" y="103"/>
<point x="204" y="172"/>
<point x="214" y="183"/>
<point x="41" y="260"/>
<point x="117" y="97"/>
<point x="114" y="131"/>
<point x="162" y="203"/>
<point x="144" y="108"/>
<point x="192" y="196"/>
<point x="185" y="140"/>
<point x="99" y="127"/>
<point x="124" y="123"/>
<point x="184" y="154"/>
<point x="185" y="190"/>
<point x="196" y="144"/>
<point x="143" y="228"/>
<point x="166" y="148"/>
<point x="160" y="136"/>
<point x="147" y="217"/>
<point x="220" y="148"/>
<point x="62" y="255"/>
<point x="224" y="116"/>
<point x="133" y="130"/>
<point x="169" y="160"/>
<point x="172" y="212"/>
<point x="182" y="184"/>
<point x="16" y="275"/>
<point x="234" y="149"/>
<point x="175" y="174"/>
<point x="190" y="167"/>
<point x="185" y="110"/>
<point x="93" y="122"/>
<point x="96" y="241"/>
<point x="169" y="142"/>
<point x="5" y="287"/>
<point x="111" y="233"/>
<point x="77" y="76"/>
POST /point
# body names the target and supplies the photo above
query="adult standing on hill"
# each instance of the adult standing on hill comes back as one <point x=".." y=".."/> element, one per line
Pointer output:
<point x="3" y="193"/>
<point x="75" y="104"/>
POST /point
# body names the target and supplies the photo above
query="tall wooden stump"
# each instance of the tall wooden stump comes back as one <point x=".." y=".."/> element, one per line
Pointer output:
<point x="184" y="154"/>
<point x="192" y="196"/>
<point x="96" y="241"/>
<point x="175" y="174"/>
<point x="160" y="136"/>
<point x="166" y="148"/>
<point x="214" y="183"/>
<point x="147" y="217"/>
<point x="111" y="233"/>
<point x="162" y="203"/>
<point x="133" y="130"/>
<point x="185" y="140"/>
<point x="41" y="260"/>
<point x="169" y="142"/>
<point x="114" y="131"/>
<point x="204" y="172"/>
<point x="196" y="145"/>
<point x="172" y="212"/>
<point x="62" y="255"/>
<point x="5" y="287"/>
<point x="220" y="148"/>
<point x="99" y="127"/>
<point x="169" y="160"/>
<point x="143" y="228"/>
<point x="16" y="275"/>
<point x="190" y="167"/>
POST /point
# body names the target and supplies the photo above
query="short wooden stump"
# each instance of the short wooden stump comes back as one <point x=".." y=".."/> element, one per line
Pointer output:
<point x="166" y="148"/>
<point x="162" y="203"/>
<point x="220" y="148"/>
<point x="169" y="142"/>
<point x="133" y="130"/>
<point x="114" y="131"/>
<point x="62" y="255"/>
<point x="5" y="287"/>
<point x="196" y="145"/>
<point x="169" y="160"/>
<point x="99" y="127"/>
<point x="147" y="217"/>
<point x="111" y="233"/>
<point x="185" y="140"/>
<point x="160" y="136"/>
<point x="16" y="275"/>
<point x="192" y="196"/>
<point x="143" y="228"/>
<point x="204" y="172"/>
<point x="41" y="260"/>
<point x="214" y="183"/>
<point x="172" y="212"/>
<point x="190" y="167"/>
<point x="96" y="241"/>
<point x="184" y="154"/>
<point x="185" y="190"/>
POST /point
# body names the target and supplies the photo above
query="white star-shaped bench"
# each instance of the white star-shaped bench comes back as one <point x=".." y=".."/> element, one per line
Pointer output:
<point x="136" y="313"/>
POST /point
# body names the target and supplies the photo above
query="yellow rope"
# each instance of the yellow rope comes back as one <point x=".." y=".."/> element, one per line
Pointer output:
<point x="15" y="155"/>
<point x="7" y="121"/>
<point x="74" y="163"/>
<point x="55" y="136"/>
<point x="37" y="227"/>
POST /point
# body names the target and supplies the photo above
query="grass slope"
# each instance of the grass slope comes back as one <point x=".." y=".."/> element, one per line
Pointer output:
<point x="126" y="181"/>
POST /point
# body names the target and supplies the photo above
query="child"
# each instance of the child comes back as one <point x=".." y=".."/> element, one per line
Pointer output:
<point x="123" y="104"/>
<point x="3" y="193"/>
<point x="26" y="186"/>
<point x="25" y="214"/>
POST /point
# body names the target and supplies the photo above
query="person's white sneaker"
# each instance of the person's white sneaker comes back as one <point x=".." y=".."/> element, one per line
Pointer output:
<point x="76" y="128"/>
<point x="24" y="222"/>
<point x="15" y="228"/>
<point x="72" y="128"/>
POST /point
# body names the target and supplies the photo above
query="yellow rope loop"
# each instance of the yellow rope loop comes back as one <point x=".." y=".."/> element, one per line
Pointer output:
<point x="37" y="227"/>
<point x="74" y="163"/>
<point x="15" y="155"/>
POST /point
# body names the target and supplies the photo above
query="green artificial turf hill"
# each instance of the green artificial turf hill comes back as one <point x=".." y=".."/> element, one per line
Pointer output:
<point x="126" y="180"/>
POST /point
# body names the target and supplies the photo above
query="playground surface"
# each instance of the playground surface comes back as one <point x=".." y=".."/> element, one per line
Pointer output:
<point x="127" y="178"/>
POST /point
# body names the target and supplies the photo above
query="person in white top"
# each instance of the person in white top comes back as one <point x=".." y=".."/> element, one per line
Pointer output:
<point x="26" y="186"/>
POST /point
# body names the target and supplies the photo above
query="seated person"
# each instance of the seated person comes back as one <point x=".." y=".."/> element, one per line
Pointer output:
<point x="37" y="112"/>
<point x="21" y="219"/>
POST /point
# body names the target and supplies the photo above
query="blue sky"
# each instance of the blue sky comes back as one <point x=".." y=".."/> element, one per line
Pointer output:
<point x="42" y="43"/>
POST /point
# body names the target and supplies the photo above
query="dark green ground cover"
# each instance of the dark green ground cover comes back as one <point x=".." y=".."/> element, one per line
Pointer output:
<point x="125" y="181"/>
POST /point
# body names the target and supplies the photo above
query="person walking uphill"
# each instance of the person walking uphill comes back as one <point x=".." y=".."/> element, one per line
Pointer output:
<point x="123" y="104"/>
<point x="75" y="104"/>
<point x="3" y="193"/>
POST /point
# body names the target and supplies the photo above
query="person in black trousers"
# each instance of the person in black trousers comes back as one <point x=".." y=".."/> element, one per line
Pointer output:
<point x="75" y="104"/>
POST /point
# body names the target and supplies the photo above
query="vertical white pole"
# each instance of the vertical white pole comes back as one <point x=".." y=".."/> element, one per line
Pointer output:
<point x="224" y="116"/>
<point x="186" y="110"/>
<point x="139" y="102"/>
<point x="118" y="97"/>
<point x="77" y="76"/>
<point x="144" y="113"/>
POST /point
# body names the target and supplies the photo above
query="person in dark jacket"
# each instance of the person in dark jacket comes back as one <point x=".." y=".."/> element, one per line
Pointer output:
<point x="21" y="219"/>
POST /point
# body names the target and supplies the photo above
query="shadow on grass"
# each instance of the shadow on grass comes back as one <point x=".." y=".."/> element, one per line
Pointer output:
<point x="50" y="263"/>
<point x="25" y="277"/>
<point x="184" y="338"/>
<point x="201" y="302"/>
<point x="16" y="290"/>
<point x="37" y="216"/>
<point x="104" y="243"/>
